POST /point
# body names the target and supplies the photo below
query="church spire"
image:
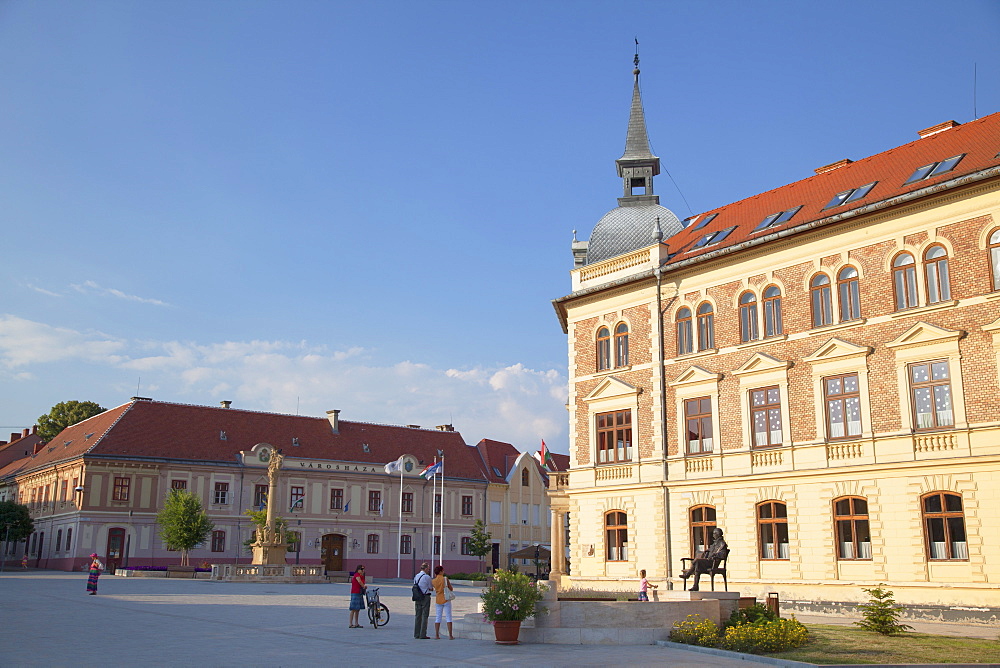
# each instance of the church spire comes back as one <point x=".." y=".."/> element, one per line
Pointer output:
<point x="638" y="165"/>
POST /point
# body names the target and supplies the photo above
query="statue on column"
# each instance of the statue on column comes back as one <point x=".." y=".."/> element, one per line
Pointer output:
<point x="270" y="546"/>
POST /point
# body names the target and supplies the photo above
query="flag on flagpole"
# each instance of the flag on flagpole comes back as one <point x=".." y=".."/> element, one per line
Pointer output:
<point x="431" y="470"/>
<point x="547" y="462"/>
<point x="394" y="467"/>
<point x="346" y="506"/>
<point x="380" y="509"/>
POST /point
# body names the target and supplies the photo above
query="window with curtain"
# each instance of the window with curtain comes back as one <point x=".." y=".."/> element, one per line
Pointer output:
<point x="843" y="406"/>
<point x="698" y="421"/>
<point x="748" y="317"/>
<point x="772" y="529"/>
<point x="706" y="327"/>
<point x="936" y="274"/>
<point x="614" y="437"/>
<point x="765" y="415"/>
<point x="702" y="521"/>
<point x="621" y="344"/>
<point x="849" y="294"/>
<point x="603" y="349"/>
<point x="821" y="300"/>
<point x="772" y="311"/>
<point x="685" y="339"/>
<point x="616" y="536"/>
<point x="852" y="535"/>
<point x="904" y="281"/>
<point x="930" y="394"/>
<point x="944" y="526"/>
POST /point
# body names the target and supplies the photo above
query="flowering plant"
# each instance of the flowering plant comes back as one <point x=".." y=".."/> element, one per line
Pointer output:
<point x="512" y="597"/>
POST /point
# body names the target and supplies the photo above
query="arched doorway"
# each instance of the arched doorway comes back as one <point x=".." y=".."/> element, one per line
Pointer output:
<point x="332" y="545"/>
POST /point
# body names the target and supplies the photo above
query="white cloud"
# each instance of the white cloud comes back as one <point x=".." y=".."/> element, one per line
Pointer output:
<point x="48" y="293"/>
<point x="515" y="403"/>
<point x="92" y="288"/>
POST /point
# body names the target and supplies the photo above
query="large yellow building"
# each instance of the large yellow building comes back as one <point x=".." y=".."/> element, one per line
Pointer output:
<point x="815" y="369"/>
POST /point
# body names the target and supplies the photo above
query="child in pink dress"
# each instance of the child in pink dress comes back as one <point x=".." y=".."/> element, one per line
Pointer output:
<point x="644" y="585"/>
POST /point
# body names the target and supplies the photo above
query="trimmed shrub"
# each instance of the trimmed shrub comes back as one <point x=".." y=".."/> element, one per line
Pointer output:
<point x="765" y="636"/>
<point x="752" y="615"/>
<point x="695" y="630"/>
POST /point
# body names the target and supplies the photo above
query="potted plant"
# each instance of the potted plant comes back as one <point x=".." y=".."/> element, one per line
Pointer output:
<point x="509" y="600"/>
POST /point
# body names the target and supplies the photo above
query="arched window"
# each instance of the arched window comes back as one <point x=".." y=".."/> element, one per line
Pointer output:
<point x="616" y="536"/>
<point x="772" y="529"/>
<point x="820" y="298"/>
<point x="772" y="311"/>
<point x="936" y="271"/>
<point x="69" y="537"/>
<point x="748" y="317"/>
<point x="904" y="281"/>
<point x="944" y="526"/>
<point x="603" y="349"/>
<point x="524" y="479"/>
<point x="58" y="539"/>
<point x="706" y="327"/>
<point x="685" y="340"/>
<point x="621" y="344"/>
<point x="853" y="538"/>
<point x="849" y="294"/>
<point x="994" y="246"/>
<point x="702" y="523"/>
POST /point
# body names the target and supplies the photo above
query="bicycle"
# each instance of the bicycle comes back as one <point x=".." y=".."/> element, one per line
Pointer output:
<point x="378" y="612"/>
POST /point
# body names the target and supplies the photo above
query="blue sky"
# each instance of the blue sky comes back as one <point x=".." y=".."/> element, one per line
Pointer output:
<point x="301" y="206"/>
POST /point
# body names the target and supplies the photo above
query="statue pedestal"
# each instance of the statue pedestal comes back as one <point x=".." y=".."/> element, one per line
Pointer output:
<point x="269" y="553"/>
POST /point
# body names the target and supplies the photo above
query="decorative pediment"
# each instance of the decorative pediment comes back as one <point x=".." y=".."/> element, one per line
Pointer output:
<point x="993" y="326"/>
<point x="924" y="332"/>
<point x="760" y="363"/>
<point x="611" y="388"/>
<point x="836" y="349"/>
<point x="695" y="374"/>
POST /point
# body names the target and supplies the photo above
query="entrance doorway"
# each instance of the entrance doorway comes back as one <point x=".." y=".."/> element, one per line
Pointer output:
<point x="496" y="556"/>
<point x="116" y="548"/>
<point x="333" y="552"/>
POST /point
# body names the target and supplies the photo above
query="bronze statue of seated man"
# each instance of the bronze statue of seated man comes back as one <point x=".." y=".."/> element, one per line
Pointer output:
<point x="708" y="559"/>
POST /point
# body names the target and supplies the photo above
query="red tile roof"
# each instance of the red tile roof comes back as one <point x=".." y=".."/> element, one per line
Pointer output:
<point x="160" y="430"/>
<point x="497" y="456"/>
<point x="979" y="140"/>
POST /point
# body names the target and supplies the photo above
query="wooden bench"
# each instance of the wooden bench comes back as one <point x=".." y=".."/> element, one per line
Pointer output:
<point x="718" y="567"/>
<point x="180" y="571"/>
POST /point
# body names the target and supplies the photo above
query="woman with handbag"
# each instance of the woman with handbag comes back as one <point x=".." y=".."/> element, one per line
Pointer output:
<point x="445" y="593"/>
<point x="95" y="572"/>
<point x="357" y="597"/>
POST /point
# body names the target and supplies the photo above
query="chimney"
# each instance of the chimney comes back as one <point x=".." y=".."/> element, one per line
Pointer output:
<point x="579" y="249"/>
<point x="14" y="436"/>
<point x="25" y="432"/>
<point x="225" y="404"/>
<point x="445" y="427"/>
<point x="832" y="166"/>
<point x="934" y="129"/>
<point x="334" y="418"/>
<point x="413" y="426"/>
<point x="38" y="447"/>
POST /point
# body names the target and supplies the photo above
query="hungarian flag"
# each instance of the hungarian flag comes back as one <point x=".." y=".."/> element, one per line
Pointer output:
<point x="432" y="470"/>
<point x="547" y="460"/>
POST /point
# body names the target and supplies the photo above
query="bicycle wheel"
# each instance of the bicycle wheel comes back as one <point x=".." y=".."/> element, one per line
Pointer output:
<point x="372" y="615"/>
<point x="381" y="614"/>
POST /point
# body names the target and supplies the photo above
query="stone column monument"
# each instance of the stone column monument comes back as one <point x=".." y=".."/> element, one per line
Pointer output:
<point x="270" y="546"/>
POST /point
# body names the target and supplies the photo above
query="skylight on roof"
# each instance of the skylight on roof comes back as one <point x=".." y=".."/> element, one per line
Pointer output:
<point x="713" y="237"/>
<point x="777" y="218"/>
<point x="852" y="195"/>
<point x="705" y="221"/>
<point x="934" y="169"/>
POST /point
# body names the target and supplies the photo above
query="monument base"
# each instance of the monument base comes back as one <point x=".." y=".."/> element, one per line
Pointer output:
<point x="269" y="553"/>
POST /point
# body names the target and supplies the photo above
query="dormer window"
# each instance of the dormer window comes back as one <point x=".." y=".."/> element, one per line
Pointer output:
<point x="700" y="223"/>
<point x="777" y="218"/>
<point x="849" y="196"/>
<point x="713" y="237"/>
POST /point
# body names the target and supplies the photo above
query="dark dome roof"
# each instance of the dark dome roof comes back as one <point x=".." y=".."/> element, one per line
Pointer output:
<point x="628" y="228"/>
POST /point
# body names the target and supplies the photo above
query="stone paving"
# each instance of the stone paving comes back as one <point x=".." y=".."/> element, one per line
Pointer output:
<point x="48" y="620"/>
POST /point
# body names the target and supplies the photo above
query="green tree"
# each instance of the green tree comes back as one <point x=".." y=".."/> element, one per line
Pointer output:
<point x="259" y="519"/>
<point x="480" y="542"/>
<point x="15" y="517"/>
<point x="183" y="523"/>
<point x="881" y="614"/>
<point x="66" y="414"/>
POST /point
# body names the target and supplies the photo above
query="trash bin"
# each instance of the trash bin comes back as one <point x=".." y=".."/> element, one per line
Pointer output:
<point x="772" y="603"/>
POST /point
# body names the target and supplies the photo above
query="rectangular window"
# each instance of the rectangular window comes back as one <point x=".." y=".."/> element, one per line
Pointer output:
<point x="121" y="489"/>
<point x="513" y="513"/>
<point x="496" y="512"/>
<point x="930" y="391"/>
<point x="614" y="437"/>
<point x="259" y="496"/>
<point x="843" y="406"/>
<point x="218" y="541"/>
<point x="373" y="543"/>
<point x="466" y="505"/>
<point x="63" y="490"/>
<point x="336" y="499"/>
<point x="222" y="492"/>
<point x="297" y="498"/>
<point x="853" y="538"/>
<point x="765" y="407"/>
<point x="58" y="540"/>
<point x="437" y="504"/>
<point x="698" y="418"/>
<point x="616" y="536"/>
<point x="437" y="544"/>
<point x="374" y="500"/>
<point x="407" y="502"/>
<point x="182" y="484"/>
<point x="466" y="545"/>
<point x="405" y="544"/>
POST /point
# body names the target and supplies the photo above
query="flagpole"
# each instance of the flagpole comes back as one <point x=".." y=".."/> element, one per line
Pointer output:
<point x="441" y="551"/>
<point x="399" y="538"/>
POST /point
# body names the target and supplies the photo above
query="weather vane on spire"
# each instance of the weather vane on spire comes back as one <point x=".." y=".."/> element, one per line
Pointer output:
<point x="636" y="59"/>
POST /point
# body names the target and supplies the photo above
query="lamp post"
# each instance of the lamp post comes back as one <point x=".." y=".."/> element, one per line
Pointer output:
<point x="6" y="544"/>
<point x="128" y="538"/>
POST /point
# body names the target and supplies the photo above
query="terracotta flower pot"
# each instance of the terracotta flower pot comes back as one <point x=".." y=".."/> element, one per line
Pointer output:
<point x="507" y="632"/>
